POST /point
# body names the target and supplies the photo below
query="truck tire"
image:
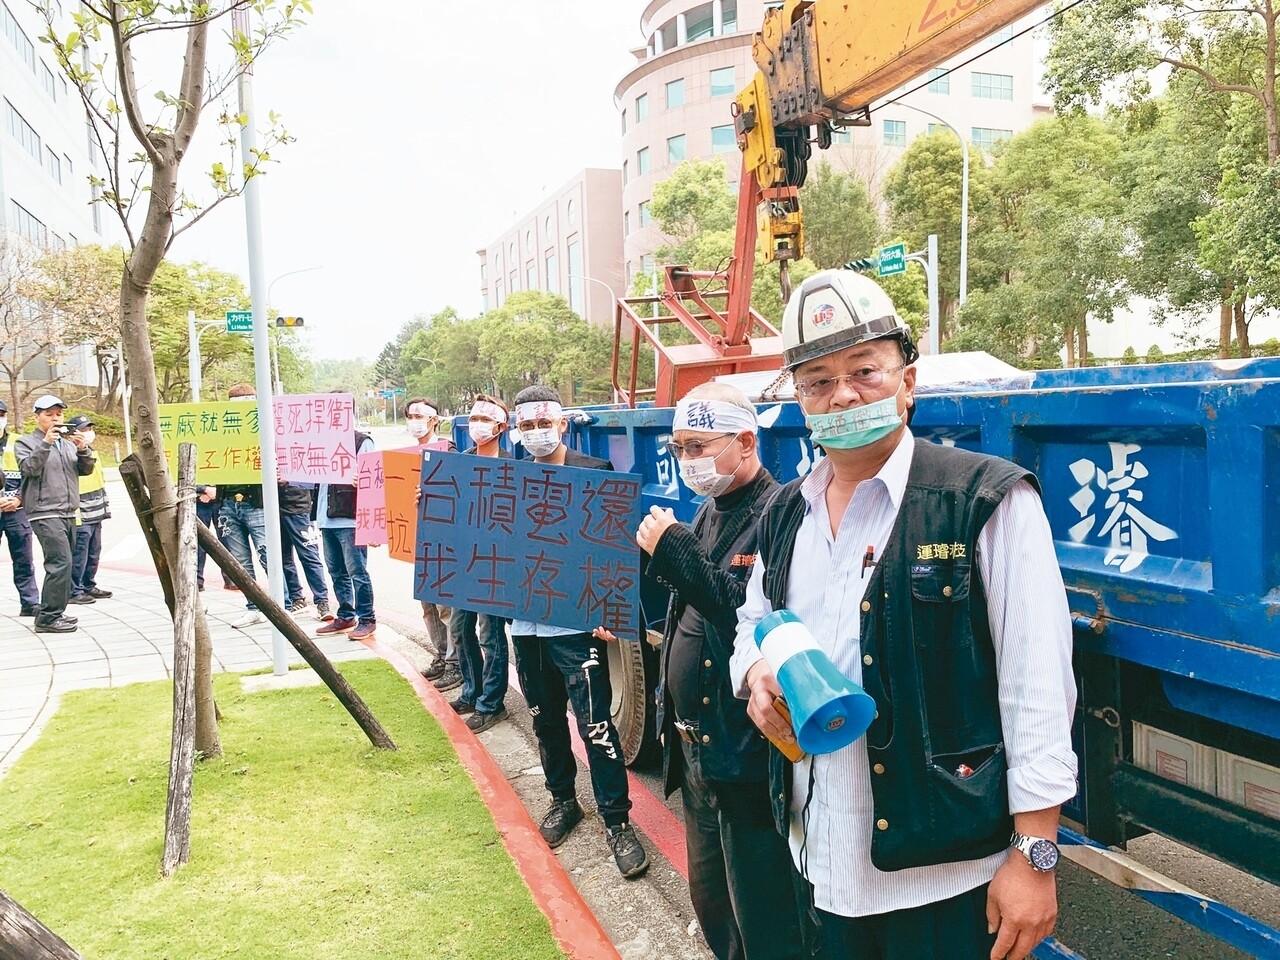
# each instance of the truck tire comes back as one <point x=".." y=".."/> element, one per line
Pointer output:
<point x="633" y="675"/>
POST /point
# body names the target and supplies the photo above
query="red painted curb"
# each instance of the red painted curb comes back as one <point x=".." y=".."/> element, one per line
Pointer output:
<point x="574" y="926"/>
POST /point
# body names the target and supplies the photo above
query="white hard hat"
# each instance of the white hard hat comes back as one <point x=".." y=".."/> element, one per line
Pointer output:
<point x="835" y="309"/>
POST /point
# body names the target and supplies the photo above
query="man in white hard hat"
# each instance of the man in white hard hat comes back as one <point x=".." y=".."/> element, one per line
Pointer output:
<point x="928" y="574"/>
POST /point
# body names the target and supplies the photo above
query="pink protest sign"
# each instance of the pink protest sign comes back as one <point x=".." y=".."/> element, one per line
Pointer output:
<point x="315" y="437"/>
<point x="371" y="500"/>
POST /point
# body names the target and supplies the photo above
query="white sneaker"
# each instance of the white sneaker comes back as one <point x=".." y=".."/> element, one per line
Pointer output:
<point x="249" y="618"/>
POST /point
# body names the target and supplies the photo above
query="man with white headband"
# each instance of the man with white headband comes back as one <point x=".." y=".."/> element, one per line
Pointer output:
<point x="928" y="575"/>
<point x="560" y="666"/>
<point x="422" y="417"/>
<point x="481" y="638"/>
<point x="712" y="753"/>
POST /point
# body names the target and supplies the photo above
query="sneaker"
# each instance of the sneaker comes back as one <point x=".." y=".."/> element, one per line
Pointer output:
<point x="323" y="612"/>
<point x="364" y="632"/>
<point x="335" y="626"/>
<point x="249" y="618"/>
<point x="479" y="722"/>
<point x="296" y="606"/>
<point x="230" y="586"/>
<point x="434" y="670"/>
<point x="55" y="625"/>
<point x="28" y="610"/>
<point x="451" y="677"/>
<point x="628" y="853"/>
<point x="99" y="594"/>
<point x="461" y="707"/>
<point x="82" y="598"/>
<point x="562" y="817"/>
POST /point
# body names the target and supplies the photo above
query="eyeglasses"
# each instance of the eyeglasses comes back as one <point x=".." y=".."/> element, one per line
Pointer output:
<point x="867" y="378"/>
<point x="694" y="448"/>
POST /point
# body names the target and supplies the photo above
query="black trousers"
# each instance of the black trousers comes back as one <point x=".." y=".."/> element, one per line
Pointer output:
<point x="58" y="544"/>
<point x="739" y="868"/>
<point x="573" y="670"/>
<point x="955" y="929"/>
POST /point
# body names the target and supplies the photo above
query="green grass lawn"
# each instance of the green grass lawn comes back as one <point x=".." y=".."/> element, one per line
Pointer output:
<point x="306" y="842"/>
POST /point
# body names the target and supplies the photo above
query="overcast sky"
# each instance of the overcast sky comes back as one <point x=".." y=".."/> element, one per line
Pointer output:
<point x="423" y="131"/>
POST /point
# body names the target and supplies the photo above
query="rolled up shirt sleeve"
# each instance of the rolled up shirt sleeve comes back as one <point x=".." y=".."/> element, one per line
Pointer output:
<point x="1031" y="632"/>
<point x="745" y="652"/>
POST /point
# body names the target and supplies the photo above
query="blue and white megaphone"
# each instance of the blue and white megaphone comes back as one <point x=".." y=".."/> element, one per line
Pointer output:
<point x="828" y="710"/>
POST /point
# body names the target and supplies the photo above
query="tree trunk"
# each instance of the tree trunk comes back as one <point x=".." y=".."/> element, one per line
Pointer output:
<point x="1082" y="332"/>
<point x="177" y="816"/>
<point x="1242" y="330"/>
<point x="1224" y="323"/>
<point x="1070" y="339"/>
<point x="23" y="937"/>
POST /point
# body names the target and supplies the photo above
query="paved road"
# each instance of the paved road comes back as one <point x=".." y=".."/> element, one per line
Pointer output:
<point x="1098" y="920"/>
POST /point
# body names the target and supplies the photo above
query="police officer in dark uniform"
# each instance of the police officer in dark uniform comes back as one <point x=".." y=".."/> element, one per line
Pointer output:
<point x="14" y="525"/>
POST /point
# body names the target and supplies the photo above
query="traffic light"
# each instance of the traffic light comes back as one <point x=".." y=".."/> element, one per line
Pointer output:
<point x="288" y="321"/>
<point x="864" y="265"/>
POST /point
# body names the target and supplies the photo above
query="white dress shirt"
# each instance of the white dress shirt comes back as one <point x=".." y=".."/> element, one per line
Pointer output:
<point x="1031" y="632"/>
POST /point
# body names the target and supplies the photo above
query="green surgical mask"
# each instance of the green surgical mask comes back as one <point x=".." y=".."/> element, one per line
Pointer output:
<point x="855" y="427"/>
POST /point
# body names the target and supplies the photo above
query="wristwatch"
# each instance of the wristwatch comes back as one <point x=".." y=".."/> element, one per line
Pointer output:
<point x="1042" y="854"/>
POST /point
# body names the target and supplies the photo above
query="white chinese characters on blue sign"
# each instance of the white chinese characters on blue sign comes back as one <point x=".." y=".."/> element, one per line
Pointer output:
<point x="1127" y="528"/>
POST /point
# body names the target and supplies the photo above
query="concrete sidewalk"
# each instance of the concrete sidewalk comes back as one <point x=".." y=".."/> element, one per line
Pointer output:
<point x="124" y="639"/>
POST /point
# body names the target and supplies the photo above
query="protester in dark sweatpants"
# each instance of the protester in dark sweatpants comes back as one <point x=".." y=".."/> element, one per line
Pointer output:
<point x="14" y="525"/>
<point x="51" y="460"/>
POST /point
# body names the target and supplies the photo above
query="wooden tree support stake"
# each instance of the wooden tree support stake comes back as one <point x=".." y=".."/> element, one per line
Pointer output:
<point x="23" y="937"/>
<point x="177" y="815"/>
<point x="281" y="620"/>
<point x="136" y="484"/>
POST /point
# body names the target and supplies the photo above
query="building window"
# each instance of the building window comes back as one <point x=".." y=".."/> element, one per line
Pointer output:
<point x="626" y="223"/>
<point x="497" y="264"/>
<point x="624" y="122"/>
<point x="987" y="137"/>
<point x="484" y="272"/>
<point x="92" y="141"/>
<point x="27" y="225"/>
<point x="895" y="133"/>
<point x="934" y="128"/>
<point x="626" y="172"/>
<point x="841" y="135"/>
<point x="642" y="161"/>
<point x="53" y="163"/>
<point x="642" y="108"/>
<point x="22" y="131"/>
<point x="646" y="217"/>
<point x="26" y="51"/>
<point x="497" y="294"/>
<point x="46" y="79"/>
<point x="531" y="275"/>
<point x="552" y="267"/>
<point x="571" y="213"/>
<point x="548" y="230"/>
<point x="57" y="243"/>
<point x="574" y="252"/>
<point x="96" y="207"/>
<point x="1003" y="35"/>
<point x="993" y="86"/>
<point x="670" y="36"/>
<point x="675" y="93"/>
<point x="513" y="282"/>
<point x="66" y="165"/>
<point x="675" y="149"/>
<point x="529" y="245"/>
<point x="730" y="17"/>
<point x="62" y="85"/>
<point x="511" y="257"/>
<point x="699" y="24"/>
<point x="939" y="81"/>
<point x="723" y="139"/>
<point x="723" y="82"/>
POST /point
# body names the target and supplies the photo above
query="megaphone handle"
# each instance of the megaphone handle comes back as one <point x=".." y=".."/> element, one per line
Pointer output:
<point x="790" y="749"/>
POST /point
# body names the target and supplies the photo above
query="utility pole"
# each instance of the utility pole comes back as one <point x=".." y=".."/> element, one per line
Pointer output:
<point x="261" y="348"/>
<point x="928" y="258"/>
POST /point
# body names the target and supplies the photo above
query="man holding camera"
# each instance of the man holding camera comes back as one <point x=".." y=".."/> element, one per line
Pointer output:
<point x="52" y="459"/>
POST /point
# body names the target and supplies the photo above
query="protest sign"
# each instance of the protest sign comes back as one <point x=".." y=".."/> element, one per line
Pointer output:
<point x="371" y="500"/>
<point x="385" y="511"/>
<point x="225" y="433"/>
<point x="315" y="437"/>
<point x="530" y="541"/>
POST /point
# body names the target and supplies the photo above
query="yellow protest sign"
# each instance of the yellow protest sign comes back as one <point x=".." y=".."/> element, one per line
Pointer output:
<point x="225" y="433"/>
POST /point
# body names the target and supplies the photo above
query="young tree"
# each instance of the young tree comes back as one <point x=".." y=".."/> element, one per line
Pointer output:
<point x="840" y="218"/>
<point x="30" y="327"/>
<point x="83" y="281"/>
<point x="142" y="158"/>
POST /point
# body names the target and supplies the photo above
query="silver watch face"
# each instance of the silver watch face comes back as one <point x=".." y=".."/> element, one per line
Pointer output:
<point x="1043" y="855"/>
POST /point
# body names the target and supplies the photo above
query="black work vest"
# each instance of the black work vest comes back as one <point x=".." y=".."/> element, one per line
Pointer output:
<point x="342" y="496"/>
<point x="932" y="669"/>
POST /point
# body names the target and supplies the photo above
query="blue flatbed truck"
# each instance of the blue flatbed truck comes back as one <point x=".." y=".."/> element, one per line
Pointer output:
<point x="1162" y="487"/>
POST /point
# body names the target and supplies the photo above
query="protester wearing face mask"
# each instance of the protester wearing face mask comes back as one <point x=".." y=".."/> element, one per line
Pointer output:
<point x="14" y="525"/>
<point x="422" y="418"/>
<point x="927" y="574"/>
<point x="711" y="751"/>
<point x="94" y="508"/>
<point x="560" y="666"/>
<point x="480" y="638"/>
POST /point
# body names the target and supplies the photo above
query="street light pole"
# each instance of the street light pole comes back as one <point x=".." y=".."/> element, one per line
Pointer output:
<point x="195" y="330"/>
<point x="964" y="201"/>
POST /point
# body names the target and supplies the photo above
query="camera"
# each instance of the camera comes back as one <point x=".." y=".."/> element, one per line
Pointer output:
<point x="66" y="428"/>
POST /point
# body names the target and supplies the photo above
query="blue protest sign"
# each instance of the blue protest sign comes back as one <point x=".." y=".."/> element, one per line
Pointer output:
<point x="530" y="541"/>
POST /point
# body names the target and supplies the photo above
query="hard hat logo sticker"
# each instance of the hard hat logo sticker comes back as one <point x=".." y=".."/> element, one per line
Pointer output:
<point x="824" y="315"/>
